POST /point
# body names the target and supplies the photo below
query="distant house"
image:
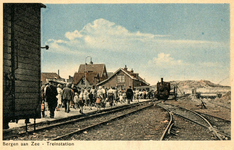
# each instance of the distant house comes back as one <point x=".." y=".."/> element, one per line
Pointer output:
<point x="70" y="79"/>
<point x="89" y="75"/>
<point x="123" y="78"/>
<point x="46" y="77"/>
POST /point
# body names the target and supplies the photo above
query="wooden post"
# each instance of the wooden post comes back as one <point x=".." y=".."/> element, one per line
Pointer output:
<point x="34" y="124"/>
<point x="175" y="93"/>
<point x="26" y="127"/>
<point x="203" y="105"/>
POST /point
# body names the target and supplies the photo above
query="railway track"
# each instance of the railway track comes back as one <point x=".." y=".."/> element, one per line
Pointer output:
<point x="70" y="124"/>
<point x="198" y="119"/>
<point x="101" y="122"/>
<point x="223" y="126"/>
<point x="169" y="127"/>
<point x="220" y="105"/>
<point x="36" y="126"/>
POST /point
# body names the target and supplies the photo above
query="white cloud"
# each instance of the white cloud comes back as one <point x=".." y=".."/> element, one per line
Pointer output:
<point x="61" y="46"/>
<point x="165" y="60"/>
<point x="73" y="35"/>
<point x="101" y="27"/>
<point x="102" y="34"/>
<point x="58" y="45"/>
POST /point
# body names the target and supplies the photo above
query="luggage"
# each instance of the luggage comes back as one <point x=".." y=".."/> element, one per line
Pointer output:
<point x="98" y="101"/>
<point x="42" y="107"/>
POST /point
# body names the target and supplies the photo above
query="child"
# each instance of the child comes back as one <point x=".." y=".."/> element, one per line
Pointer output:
<point x="81" y="101"/>
<point x="76" y="100"/>
<point x="121" y="99"/>
<point x="43" y="109"/>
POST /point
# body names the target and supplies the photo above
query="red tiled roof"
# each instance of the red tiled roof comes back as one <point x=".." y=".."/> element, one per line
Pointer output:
<point x="90" y="77"/>
<point x="98" y="68"/>
<point x="134" y="75"/>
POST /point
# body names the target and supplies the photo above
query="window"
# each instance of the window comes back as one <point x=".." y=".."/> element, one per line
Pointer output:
<point x="83" y="81"/>
<point x="120" y="79"/>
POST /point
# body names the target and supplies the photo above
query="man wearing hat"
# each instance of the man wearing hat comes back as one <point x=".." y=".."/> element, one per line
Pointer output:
<point x="67" y="96"/>
<point x="129" y="94"/>
<point x="51" y="93"/>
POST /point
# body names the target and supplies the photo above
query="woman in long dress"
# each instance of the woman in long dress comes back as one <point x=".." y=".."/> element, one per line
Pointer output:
<point x="59" y="90"/>
<point x="81" y="100"/>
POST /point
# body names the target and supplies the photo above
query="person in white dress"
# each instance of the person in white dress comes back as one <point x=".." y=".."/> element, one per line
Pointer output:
<point x="81" y="100"/>
<point x="59" y="90"/>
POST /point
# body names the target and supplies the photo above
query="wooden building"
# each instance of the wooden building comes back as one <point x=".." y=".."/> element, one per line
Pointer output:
<point x="123" y="78"/>
<point x="79" y="80"/>
<point x="89" y="75"/>
<point x="50" y="76"/>
<point x="21" y="61"/>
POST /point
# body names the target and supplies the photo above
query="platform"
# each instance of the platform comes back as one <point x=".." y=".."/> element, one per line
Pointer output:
<point x="62" y="114"/>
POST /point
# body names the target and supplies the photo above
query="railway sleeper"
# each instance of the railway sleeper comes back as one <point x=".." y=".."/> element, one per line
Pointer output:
<point x="223" y="136"/>
<point x="173" y="133"/>
<point x="175" y="127"/>
<point x="173" y="130"/>
<point x="215" y="133"/>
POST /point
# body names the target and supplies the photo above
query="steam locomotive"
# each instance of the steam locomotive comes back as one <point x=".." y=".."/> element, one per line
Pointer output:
<point x="163" y="90"/>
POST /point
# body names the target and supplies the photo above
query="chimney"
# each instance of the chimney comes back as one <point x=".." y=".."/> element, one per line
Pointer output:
<point x="125" y="68"/>
<point x="58" y="72"/>
<point x="161" y="80"/>
<point x="132" y="71"/>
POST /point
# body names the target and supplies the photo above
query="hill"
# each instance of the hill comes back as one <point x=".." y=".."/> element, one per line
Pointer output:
<point x="196" y="84"/>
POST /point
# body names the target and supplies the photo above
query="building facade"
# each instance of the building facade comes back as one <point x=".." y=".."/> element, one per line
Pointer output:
<point x="50" y="76"/>
<point x="89" y="75"/>
<point x="123" y="78"/>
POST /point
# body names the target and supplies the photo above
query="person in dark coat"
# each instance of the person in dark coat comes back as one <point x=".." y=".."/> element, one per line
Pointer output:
<point x="67" y="96"/>
<point x="90" y="95"/>
<point x="110" y="96"/>
<point x="94" y="94"/>
<point x="129" y="94"/>
<point x="51" y="93"/>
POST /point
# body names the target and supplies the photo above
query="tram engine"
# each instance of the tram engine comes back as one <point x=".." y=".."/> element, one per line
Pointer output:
<point x="163" y="90"/>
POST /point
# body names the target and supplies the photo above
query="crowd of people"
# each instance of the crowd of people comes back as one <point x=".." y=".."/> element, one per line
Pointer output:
<point x="55" y="97"/>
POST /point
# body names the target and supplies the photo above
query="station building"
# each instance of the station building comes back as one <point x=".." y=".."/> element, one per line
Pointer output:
<point x="123" y="78"/>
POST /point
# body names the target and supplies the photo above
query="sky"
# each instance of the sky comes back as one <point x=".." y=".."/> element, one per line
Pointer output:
<point x="173" y="41"/>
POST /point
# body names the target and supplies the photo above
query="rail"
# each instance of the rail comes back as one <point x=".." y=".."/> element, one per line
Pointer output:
<point x="190" y="115"/>
<point x="97" y="124"/>
<point x="169" y="126"/>
<point x="74" y="119"/>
